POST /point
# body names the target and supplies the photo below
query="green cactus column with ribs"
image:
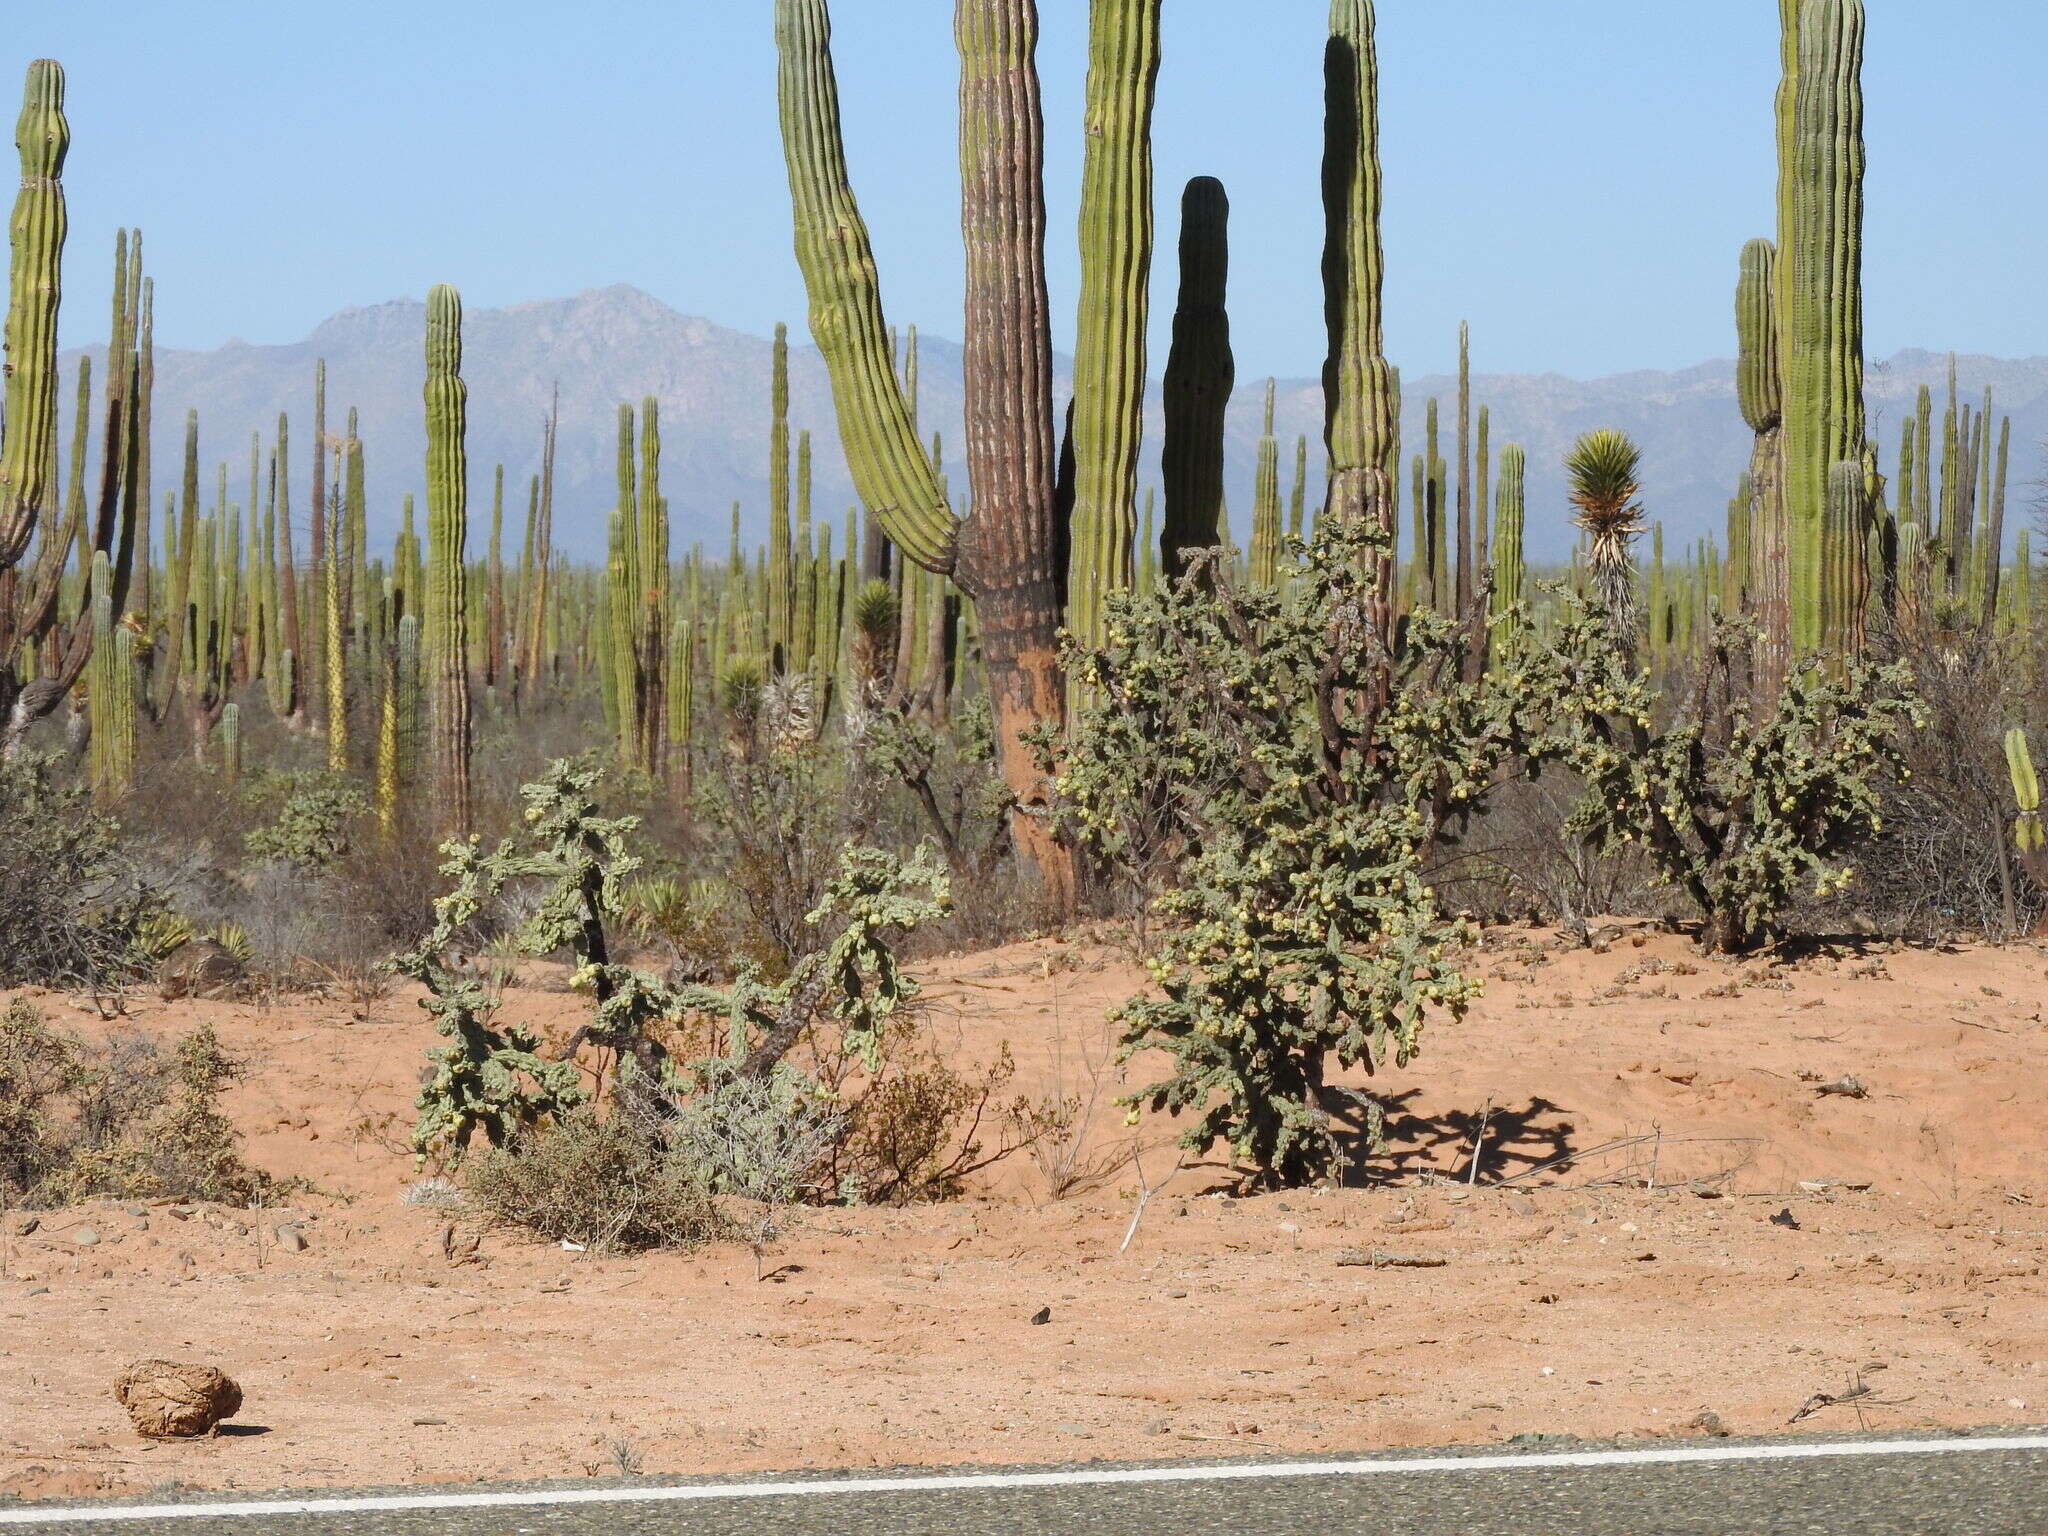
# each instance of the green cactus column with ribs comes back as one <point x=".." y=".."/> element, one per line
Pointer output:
<point x="1111" y="312"/>
<point x="446" y="609"/>
<point x="1199" y="373"/>
<point x="1264" y="553"/>
<point x="1360" y="399"/>
<point x="35" y="239"/>
<point x="1819" y="301"/>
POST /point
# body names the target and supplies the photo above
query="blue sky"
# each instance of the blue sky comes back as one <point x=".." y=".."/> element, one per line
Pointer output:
<point x="1574" y="177"/>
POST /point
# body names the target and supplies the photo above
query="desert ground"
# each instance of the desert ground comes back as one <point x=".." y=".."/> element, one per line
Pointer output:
<point x="1735" y="1239"/>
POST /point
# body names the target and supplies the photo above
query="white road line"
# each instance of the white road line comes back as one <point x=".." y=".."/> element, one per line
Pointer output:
<point x="981" y="1481"/>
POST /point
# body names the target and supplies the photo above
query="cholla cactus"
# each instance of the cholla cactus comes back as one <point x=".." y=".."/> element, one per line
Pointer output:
<point x="1295" y="769"/>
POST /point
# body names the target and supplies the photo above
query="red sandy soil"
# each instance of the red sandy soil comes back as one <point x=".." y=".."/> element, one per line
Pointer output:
<point x="1576" y="1301"/>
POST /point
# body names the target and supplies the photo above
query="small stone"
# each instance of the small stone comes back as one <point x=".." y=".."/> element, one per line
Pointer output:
<point x="85" y="1237"/>
<point x="1069" y="1427"/>
<point x="1041" y="1316"/>
<point x="40" y="1290"/>
<point x="1708" y="1422"/>
<point x="1521" y="1205"/>
<point x="1175" y="1295"/>
<point x="291" y="1239"/>
<point x="1156" y="1426"/>
<point x="136" y="1210"/>
<point x="28" y="1225"/>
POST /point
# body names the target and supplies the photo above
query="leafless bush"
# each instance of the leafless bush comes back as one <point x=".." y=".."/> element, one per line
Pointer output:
<point x="604" y="1181"/>
<point x="1518" y="862"/>
<point x="120" y="1118"/>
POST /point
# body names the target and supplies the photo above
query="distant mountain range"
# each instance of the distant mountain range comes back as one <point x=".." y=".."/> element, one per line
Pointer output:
<point x="619" y="344"/>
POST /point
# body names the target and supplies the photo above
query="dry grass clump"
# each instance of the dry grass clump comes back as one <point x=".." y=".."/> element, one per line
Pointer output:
<point x="607" y="1182"/>
<point x="119" y="1118"/>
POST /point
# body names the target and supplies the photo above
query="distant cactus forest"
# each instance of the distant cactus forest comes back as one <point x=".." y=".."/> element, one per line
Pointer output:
<point x="1301" y="745"/>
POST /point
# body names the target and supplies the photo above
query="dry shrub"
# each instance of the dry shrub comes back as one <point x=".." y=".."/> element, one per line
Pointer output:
<point x="1517" y="862"/>
<point x="119" y="1118"/>
<point x="608" y="1182"/>
<point x="920" y="1129"/>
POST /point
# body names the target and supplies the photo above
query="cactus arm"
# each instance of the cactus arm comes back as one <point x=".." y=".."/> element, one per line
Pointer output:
<point x="35" y="232"/>
<point x="837" y="260"/>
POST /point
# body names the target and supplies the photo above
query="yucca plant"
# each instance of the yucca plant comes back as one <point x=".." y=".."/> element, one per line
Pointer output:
<point x="1603" y="470"/>
<point x="874" y="636"/>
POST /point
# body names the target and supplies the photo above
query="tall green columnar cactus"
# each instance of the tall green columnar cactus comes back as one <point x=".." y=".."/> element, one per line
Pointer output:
<point x="178" y="615"/>
<point x="1297" y="498"/>
<point x="289" y="623"/>
<point x="110" y="690"/>
<point x="447" y="613"/>
<point x="1990" y="561"/>
<point x="1199" y="376"/>
<point x="1466" y="570"/>
<point x="781" y="584"/>
<point x="1265" y="544"/>
<point x="803" y="573"/>
<point x="653" y="609"/>
<point x="1111" y="312"/>
<point x="494" y="584"/>
<point x="621" y="662"/>
<point x="1360" y="402"/>
<point x="35" y="255"/>
<point x="1820" y="316"/>
<point x="1510" y="573"/>
<point x="334" y="641"/>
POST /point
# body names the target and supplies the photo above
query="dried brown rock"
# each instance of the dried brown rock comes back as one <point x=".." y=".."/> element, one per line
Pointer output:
<point x="168" y="1401"/>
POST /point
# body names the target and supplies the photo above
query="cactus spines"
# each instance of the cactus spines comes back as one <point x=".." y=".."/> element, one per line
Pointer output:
<point x="35" y="233"/>
<point x="837" y="259"/>
<point x="1820" y="314"/>
<point x="446" y="627"/>
<point x="1199" y="375"/>
<point x="1111" y="311"/>
<point x="1360" y="405"/>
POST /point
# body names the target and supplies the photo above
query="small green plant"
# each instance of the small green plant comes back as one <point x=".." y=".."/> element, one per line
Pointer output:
<point x="314" y="826"/>
<point x="1303" y="754"/>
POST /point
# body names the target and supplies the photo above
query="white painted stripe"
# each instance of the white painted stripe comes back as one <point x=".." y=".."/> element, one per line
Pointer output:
<point x="982" y="1481"/>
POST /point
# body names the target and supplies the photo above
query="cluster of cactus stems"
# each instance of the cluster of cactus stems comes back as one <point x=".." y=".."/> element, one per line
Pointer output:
<point x="202" y="611"/>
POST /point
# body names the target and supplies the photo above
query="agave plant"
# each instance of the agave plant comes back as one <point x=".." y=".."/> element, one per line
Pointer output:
<point x="1602" y="470"/>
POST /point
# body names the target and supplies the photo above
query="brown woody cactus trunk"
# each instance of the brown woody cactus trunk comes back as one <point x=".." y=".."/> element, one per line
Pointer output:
<point x="1009" y="548"/>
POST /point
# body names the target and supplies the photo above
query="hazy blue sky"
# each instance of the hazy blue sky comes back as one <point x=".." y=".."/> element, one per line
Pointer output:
<point x="1573" y="176"/>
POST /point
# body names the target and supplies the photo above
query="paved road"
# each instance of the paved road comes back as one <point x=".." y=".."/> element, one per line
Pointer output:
<point x="1994" y="1483"/>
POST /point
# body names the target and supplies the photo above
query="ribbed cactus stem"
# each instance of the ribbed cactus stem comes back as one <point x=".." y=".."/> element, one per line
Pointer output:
<point x="447" y="616"/>
<point x="1111" y="311"/>
<point x="1360" y="400"/>
<point x="231" y="742"/>
<point x="836" y="257"/>
<point x="1264" y="554"/>
<point x="2026" y="792"/>
<point x="1820" y="318"/>
<point x="1510" y="573"/>
<point x="1199" y="375"/>
<point x="651" y="542"/>
<point x="781" y="585"/>
<point x="34" y="285"/>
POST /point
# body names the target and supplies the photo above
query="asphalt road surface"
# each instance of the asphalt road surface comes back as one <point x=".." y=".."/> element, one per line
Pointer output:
<point x="1990" y="1483"/>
